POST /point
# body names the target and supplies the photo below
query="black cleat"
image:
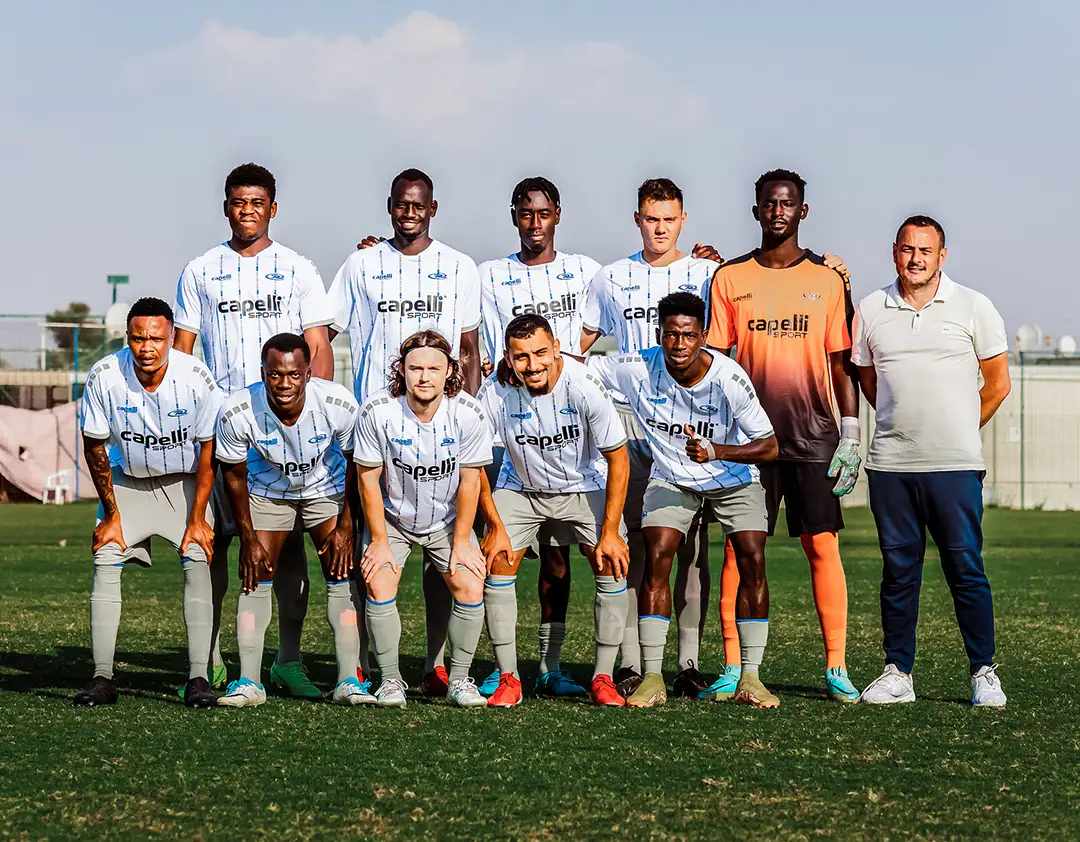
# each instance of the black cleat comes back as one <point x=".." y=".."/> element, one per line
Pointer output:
<point x="197" y="694"/>
<point x="689" y="683"/>
<point x="100" y="691"/>
<point x="627" y="681"/>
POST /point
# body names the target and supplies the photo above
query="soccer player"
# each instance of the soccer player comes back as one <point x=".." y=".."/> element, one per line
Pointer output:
<point x="421" y="447"/>
<point x="538" y="279"/>
<point x="287" y="443"/>
<point x="788" y="315"/>
<point x="235" y="297"/>
<point x="707" y="431"/>
<point x="556" y="422"/>
<point x="156" y="410"/>
<point x="384" y="294"/>
<point x="921" y="346"/>
<point x="621" y="302"/>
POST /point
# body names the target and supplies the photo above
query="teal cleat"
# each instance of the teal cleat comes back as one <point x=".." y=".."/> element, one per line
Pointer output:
<point x="723" y="689"/>
<point x="558" y="684"/>
<point x="490" y="685"/>
<point x="839" y="687"/>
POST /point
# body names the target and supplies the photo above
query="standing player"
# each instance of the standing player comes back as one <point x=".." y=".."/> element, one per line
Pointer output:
<point x="538" y="279"/>
<point x="621" y="302"/>
<point x="788" y="315"/>
<point x="287" y="442"/>
<point x="421" y="447"/>
<point x="384" y="294"/>
<point x="236" y="296"/>
<point x="157" y="411"/>
<point x="707" y="430"/>
<point x="556" y="421"/>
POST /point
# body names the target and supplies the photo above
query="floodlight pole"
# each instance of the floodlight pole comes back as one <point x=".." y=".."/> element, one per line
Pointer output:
<point x="78" y="405"/>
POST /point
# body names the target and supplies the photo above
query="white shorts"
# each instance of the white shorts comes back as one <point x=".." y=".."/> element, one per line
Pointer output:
<point x="579" y="515"/>
<point x="739" y="509"/>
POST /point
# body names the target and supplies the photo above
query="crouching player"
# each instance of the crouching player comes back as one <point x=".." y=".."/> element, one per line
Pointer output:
<point x="421" y="447"/>
<point x="157" y="408"/>
<point x="287" y="445"/>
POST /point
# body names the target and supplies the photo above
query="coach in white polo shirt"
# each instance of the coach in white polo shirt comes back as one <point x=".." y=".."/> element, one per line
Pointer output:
<point x="921" y="344"/>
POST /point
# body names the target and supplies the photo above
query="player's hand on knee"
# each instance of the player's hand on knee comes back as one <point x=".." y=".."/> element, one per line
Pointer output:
<point x="199" y="532"/>
<point x="611" y="555"/>
<point x="377" y="556"/>
<point x="254" y="560"/>
<point x="495" y="543"/>
<point x="337" y="553"/>
<point x="467" y="557"/>
<point x="108" y="531"/>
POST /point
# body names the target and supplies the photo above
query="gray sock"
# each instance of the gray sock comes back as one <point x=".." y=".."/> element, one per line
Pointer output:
<point x="198" y="615"/>
<point x="341" y="616"/>
<point x="253" y="612"/>
<point x="384" y="627"/>
<point x="652" y="630"/>
<point x="609" y="616"/>
<point x="692" y="586"/>
<point x="466" y="623"/>
<point x="359" y="602"/>
<point x="437" y="606"/>
<point x="551" y="636"/>
<point x="630" y="651"/>
<point x="219" y="581"/>
<point x="291" y="587"/>
<point x="105" y="616"/>
<point x="753" y="635"/>
<point x="500" y="597"/>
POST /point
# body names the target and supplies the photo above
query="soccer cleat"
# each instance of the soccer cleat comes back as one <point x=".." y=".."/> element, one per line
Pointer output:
<point x="219" y="677"/>
<point x="364" y="682"/>
<point x="689" y="683"/>
<point x="508" y="693"/>
<point x="627" y="681"/>
<point x="197" y="694"/>
<point x="723" y="689"/>
<point x="558" y="684"/>
<point x="986" y="689"/>
<point x="292" y="677"/>
<point x="649" y="693"/>
<point x="391" y="693"/>
<point x="100" y="691"/>
<point x="604" y="694"/>
<point x="839" y="686"/>
<point x="463" y="693"/>
<point x="889" y="688"/>
<point x="243" y="693"/>
<point x="752" y="692"/>
<point x="490" y="684"/>
<point x="436" y="682"/>
<point x="351" y="692"/>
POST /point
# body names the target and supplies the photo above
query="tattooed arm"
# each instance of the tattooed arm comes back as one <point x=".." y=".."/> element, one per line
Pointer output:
<point x="108" y="530"/>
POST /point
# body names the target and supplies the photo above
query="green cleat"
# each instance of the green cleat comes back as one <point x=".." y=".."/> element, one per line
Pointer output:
<point x="839" y="686"/>
<point x="723" y="689"/>
<point x="650" y="692"/>
<point x="752" y="692"/>
<point x="292" y="678"/>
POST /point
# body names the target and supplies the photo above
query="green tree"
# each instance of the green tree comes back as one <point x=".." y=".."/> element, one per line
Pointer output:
<point x="91" y="340"/>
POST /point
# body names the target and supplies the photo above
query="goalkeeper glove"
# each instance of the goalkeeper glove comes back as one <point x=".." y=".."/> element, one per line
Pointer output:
<point x="846" y="461"/>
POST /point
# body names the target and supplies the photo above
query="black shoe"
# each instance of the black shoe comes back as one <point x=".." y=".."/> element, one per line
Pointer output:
<point x="100" y="691"/>
<point x="197" y="694"/>
<point x="627" y="681"/>
<point x="688" y="683"/>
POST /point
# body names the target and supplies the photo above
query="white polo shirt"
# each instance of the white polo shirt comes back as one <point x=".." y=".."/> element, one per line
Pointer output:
<point x="927" y="364"/>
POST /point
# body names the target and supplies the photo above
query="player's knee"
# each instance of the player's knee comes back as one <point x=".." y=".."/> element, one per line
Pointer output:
<point x="504" y="565"/>
<point x="383" y="587"/>
<point x="467" y="588"/>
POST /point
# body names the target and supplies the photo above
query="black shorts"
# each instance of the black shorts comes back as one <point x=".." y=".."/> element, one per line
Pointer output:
<point x="806" y="489"/>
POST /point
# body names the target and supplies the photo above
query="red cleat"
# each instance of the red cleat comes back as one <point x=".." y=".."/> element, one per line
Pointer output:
<point x="508" y="693"/>
<point x="436" y="683"/>
<point x="603" y="692"/>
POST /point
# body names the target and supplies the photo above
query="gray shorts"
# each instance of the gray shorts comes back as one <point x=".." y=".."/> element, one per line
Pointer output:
<point x="550" y="534"/>
<point x="739" y="509"/>
<point x="637" y="448"/>
<point x="151" y="506"/>
<point x="578" y="515"/>
<point x="436" y="545"/>
<point x="269" y="515"/>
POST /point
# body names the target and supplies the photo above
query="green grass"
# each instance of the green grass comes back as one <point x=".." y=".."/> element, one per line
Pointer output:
<point x="936" y="769"/>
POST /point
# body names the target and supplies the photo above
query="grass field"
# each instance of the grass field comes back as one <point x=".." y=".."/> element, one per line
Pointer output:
<point x="936" y="769"/>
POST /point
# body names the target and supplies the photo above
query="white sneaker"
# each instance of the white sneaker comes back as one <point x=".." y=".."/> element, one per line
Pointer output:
<point x="243" y="693"/>
<point x="986" y="689"/>
<point x="889" y="688"/>
<point x="391" y="693"/>
<point x="464" y="693"/>
<point x="351" y="692"/>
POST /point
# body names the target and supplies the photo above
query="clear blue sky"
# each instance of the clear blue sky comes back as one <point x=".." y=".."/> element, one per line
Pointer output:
<point x="119" y="121"/>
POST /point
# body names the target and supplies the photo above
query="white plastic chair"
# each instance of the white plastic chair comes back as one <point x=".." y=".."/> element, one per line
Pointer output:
<point x="57" y="485"/>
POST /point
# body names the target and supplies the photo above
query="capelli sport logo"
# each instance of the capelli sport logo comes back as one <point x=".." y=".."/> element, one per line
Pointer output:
<point x="266" y="307"/>
<point x="382" y="276"/>
<point x="402" y="442"/>
<point x="561" y="307"/>
<point x="567" y="434"/>
<point x="177" y="438"/>
<point x="796" y="326"/>
<point x="128" y="408"/>
<point x="414" y="308"/>
<point x="513" y="282"/>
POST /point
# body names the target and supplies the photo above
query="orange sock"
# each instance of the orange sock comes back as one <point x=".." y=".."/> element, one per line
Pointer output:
<point x="830" y="593"/>
<point x="729" y="589"/>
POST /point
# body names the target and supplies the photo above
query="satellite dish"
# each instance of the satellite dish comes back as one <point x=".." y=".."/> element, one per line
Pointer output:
<point x="1067" y="345"/>
<point x="1028" y="337"/>
<point x="116" y="320"/>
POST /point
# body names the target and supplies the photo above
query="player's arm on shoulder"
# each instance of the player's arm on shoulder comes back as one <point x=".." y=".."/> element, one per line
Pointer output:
<point x="720" y="330"/>
<point x="187" y="313"/>
<point x="322" y="356"/>
<point x="592" y="315"/>
<point x="837" y="264"/>
<point x="470" y="360"/>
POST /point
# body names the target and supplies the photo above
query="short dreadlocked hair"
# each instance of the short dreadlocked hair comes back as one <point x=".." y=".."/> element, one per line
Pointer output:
<point x="535" y="184"/>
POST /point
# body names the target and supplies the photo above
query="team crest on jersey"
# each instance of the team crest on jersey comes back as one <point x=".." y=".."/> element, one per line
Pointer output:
<point x="813" y="296"/>
<point x="437" y="276"/>
<point x="446" y="442"/>
<point x="316" y="439"/>
<point x="565" y="276"/>
<point x="267" y="442"/>
<point x="222" y="277"/>
<point x="657" y="401"/>
<point x="382" y="276"/>
<point x="521" y="416"/>
<point x="402" y="442"/>
<point x="274" y="276"/>
<point x="513" y="282"/>
<point x="709" y="408"/>
<point x="689" y="288"/>
<point x="176" y="413"/>
<point x="128" y="408"/>
<point x="568" y="410"/>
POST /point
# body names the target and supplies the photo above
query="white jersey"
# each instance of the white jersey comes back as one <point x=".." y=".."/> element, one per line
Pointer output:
<point x="151" y="433"/>
<point x="421" y="460"/>
<point x="382" y="297"/>
<point x="236" y="303"/>
<point x="722" y="408"/>
<point x="553" y="442"/>
<point x="553" y="290"/>
<point x="299" y="462"/>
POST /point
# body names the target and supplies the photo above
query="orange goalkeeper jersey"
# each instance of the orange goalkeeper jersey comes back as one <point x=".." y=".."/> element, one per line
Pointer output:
<point x="784" y="323"/>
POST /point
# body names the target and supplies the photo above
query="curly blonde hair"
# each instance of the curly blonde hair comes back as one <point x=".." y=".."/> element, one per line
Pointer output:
<point x="425" y="339"/>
